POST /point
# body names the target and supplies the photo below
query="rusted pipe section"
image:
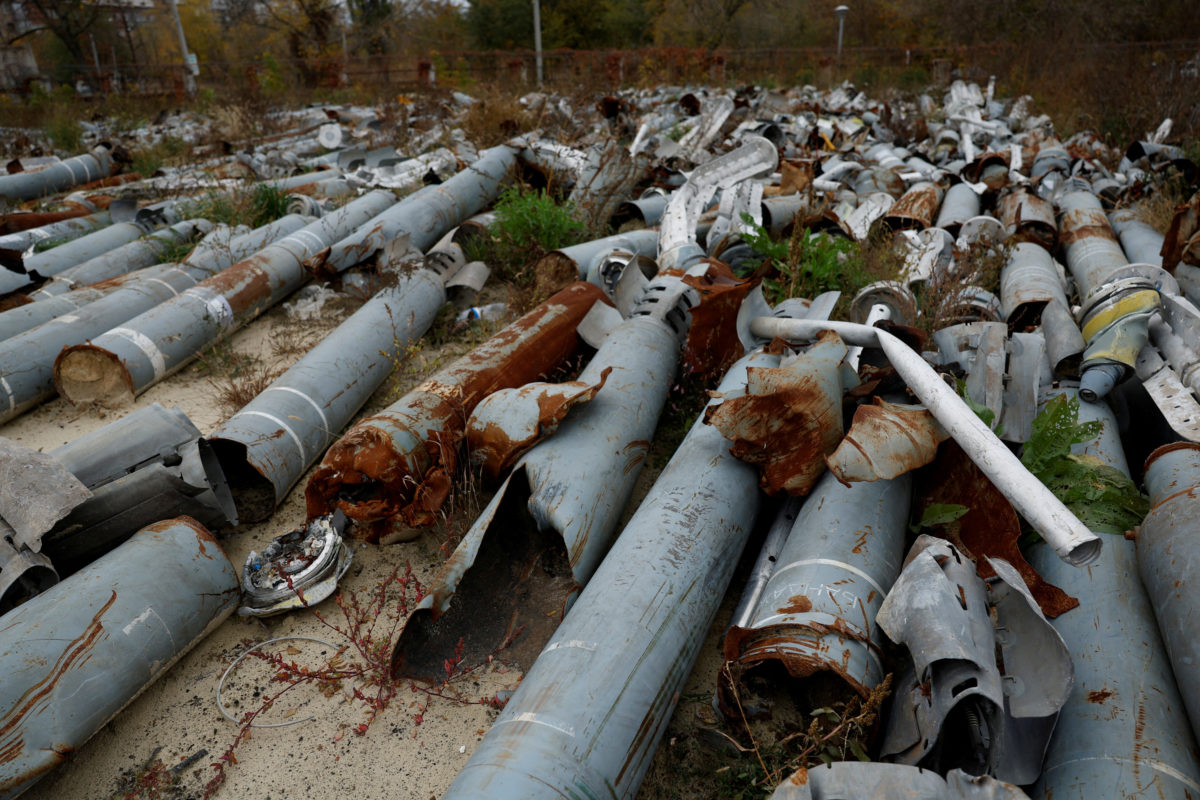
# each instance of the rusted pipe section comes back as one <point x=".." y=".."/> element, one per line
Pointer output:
<point x="915" y="209"/>
<point x="1073" y="542"/>
<point x="24" y="220"/>
<point x="120" y="364"/>
<point x="426" y="215"/>
<point x="74" y="656"/>
<point x="396" y="467"/>
<point x="1167" y="557"/>
<point x="139" y="253"/>
<point x="559" y="510"/>
<point x="266" y="446"/>
<point x="588" y="716"/>
<point x="27" y="359"/>
<point x="1124" y="731"/>
<point x="58" y="176"/>
<point x="816" y="617"/>
<point x="1029" y="218"/>
<point x="1028" y="282"/>
<point x="53" y="233"/>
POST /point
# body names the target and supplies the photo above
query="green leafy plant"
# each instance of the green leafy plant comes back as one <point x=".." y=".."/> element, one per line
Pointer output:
<point x="528" y="225"/>
<point x="1103" y="497"/>
<point x="805" y="265"/>
<point x="936" y="514"/>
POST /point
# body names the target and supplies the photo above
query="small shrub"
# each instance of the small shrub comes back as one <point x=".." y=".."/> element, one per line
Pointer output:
<point x="528" y="225"/>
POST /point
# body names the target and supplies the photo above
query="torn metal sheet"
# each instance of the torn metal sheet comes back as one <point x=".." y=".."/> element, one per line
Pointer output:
<point x="508" y="422"/>
<point x="713" y="342"/>
<point x="24" y="574"/>
<point x="36" y="492"/>
<point x="1049" y="517"/>
<point x="77" y="654"/>
<point x="588" y="716"/>
<point x="980" y="349"/>
<point x="816" y="615"/>
<point x="534" y="547"/>
<point x="789" y="417"/>
<point x="1167" y="556"/>
<point x="296" y="570"/>
<point x="396" y="466"/>
<point x="1174" y="400"/>
<point x="988" y="528"/>
<point x="955" y="708"/>
<point x="146" y="465"/>
<point x="886" y="440"/>
<point x="1124" y="731"/>
<point x="856" y="779"/>
<point x="1064" y="342"/>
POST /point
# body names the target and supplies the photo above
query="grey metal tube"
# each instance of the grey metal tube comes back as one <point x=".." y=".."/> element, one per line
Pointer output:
<point x="77" y="654"/>
<point x="817" y="613"/>
<point x="565" y="497"/>
<point x="1073" y="542"/>
<point x="1092" y="250"/>
<point x="63" y="231"/>
<point x="429" y="213"/>
<point x="1123" y="731"/>
<point x="139" y="253"/>
<point x="118" y="365"/>
<point x="22" y="318"/>
<point x="582" y="256"/>
<point x="779" y="212"/>
<point x="27" y="359"/>
<point x="51" y="262"/>
<point x="267" y="446"/>
<point x="1028" y="282"/>
<point x="1167" y="554"/>
<point x="59" y="176"/>
<point x="1029" y="216"/>
<point x="1142" y="243"/>
<point x="959" y="205"/>
<point x="303" y="179"/>
<point x="588" y="716"/>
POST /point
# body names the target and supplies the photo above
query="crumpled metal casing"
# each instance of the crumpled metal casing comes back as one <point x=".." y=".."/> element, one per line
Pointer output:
<point x="855" y="779"/>
<point x="954" y="709"/>
<point x="77" y="654"/>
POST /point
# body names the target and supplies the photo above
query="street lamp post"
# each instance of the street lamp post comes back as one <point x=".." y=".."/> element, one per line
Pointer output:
<point x="189" y="61"/>
<point x="841" y="12"/>
<point x="537" y="38"/>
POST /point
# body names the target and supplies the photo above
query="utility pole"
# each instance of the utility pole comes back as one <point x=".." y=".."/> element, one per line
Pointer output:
<point x="841" y="12"/>
<point x="537" y="38"/>
<point x="190" y="68"/>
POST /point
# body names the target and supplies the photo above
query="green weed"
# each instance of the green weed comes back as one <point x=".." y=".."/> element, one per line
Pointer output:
<point x="528" y="225"/>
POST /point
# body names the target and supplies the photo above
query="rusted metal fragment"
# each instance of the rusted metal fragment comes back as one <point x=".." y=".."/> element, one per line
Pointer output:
<point x="916" y="208"/>
<point x="507" y="423"/>
<point x="36" y="491"/>
<point x="1182" y="242"/>
<point x="885" y="441"/>
<point x="1028" y="218"/>
<point x="990" y="527"/>
<point x="399" y="462"/>
<point x="789" y="418"/>
<point x="713" y="343"/>
<point x="796" y="175"/>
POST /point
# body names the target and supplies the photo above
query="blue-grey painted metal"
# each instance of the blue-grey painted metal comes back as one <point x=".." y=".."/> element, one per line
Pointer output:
<point x="817" y="613"/>
<point x="959" y="205"/>
<point x="51" y="262"/>
<point x="588" y="254"/>
<point x="56" y="232"/>
<point x="1168" y="557"/>
<point x="139" y="253"/>
<point x="573" y="486"/>
<point x="429" y="213"/>
<point x="1141" y="242"/>
<point x="890" y="782"/>
<point x="779" y="212"/>
<point x="267" y="446"/>
<point x="77" y="654"/>
<point x="22" y="318"/>
<point x="27" y="358"/>
<point x="1028" y="282"/>
<point x="1123" y="731"/>
<point x="588" y="716"/>
<point x="61" y="175"/>
<point x="120" y="364"/>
